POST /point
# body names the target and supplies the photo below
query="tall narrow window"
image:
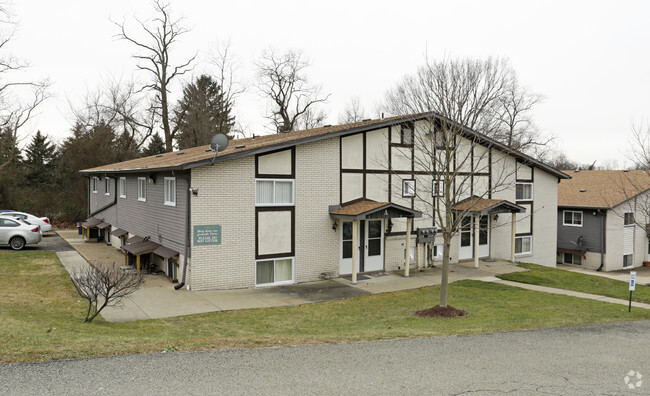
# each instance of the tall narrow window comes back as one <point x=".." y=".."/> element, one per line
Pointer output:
<point x="406" y="135"/>
<point x="170" y="191"/>
<point x="438" y="188"/>
<point x="628" y="219"/>
<point x="142" y="189"/>
<point x="93" y="182"/>
<point x="122" y="187"/>
<point x="107" y="186"/>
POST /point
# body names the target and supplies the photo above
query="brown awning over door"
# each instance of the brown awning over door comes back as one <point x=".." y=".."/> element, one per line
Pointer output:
<point x="119" y="232"/>
<point x="91" y="222"/>
<point x="165" y="252"/>
<point x="142" y="247"/>
<point x="368" y="209"/>
<point x="134" y="239"/>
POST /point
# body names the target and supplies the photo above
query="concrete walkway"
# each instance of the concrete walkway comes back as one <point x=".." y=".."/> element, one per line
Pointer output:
<point x="158" y="298"/>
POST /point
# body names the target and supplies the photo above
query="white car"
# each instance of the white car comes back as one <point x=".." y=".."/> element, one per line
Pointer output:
<point x="43" y="222"/>
<point x="17" y="233"/>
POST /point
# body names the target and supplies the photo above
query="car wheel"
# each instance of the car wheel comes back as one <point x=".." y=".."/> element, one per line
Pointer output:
<point x="17" y="243"/>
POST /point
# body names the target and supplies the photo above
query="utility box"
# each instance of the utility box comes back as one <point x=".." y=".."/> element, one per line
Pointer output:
<point x="426" y="234"/>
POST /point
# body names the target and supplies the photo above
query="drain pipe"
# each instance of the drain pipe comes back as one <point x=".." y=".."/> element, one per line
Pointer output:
<point x="602" y="240"/>
<point x="187" y="234"/>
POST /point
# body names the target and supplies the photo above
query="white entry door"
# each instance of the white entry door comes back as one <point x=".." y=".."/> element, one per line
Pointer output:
<point x="466" y="249"/>
<point x="374" y="246"/>
<point x="371" y="257"/>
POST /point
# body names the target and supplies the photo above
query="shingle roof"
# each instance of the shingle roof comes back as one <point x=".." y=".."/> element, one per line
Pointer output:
<point x="601" y="188"/>
<point x="202" y="155"/>
<point x="484" y="206"/>
<point x="358" y="209"/>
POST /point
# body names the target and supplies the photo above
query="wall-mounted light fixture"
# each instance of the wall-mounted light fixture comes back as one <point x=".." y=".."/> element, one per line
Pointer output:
<point x="152" y="178"/>
<point x="194" y="191"/>
<point x="335" y="225"/>
<point x="389" y="226"/>
<point x="496" y="217"/>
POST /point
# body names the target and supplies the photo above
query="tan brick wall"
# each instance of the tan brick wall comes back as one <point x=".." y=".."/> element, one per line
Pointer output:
<point x="226" y="197"/>
<point x="316" y="187"/>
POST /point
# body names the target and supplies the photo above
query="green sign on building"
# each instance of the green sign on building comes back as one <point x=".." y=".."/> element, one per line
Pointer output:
<point x="207" y="235"/>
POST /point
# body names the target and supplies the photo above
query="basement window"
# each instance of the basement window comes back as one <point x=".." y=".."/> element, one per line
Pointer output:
<point x="273" y="272"/>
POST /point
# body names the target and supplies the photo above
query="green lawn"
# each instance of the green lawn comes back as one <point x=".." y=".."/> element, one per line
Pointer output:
<point x="42" y="317"/>
<point x="563" y="279"/>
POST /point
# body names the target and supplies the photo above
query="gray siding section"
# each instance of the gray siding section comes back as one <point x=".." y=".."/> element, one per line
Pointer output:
<point x="590" y="231"/>
<point x="164" y="224"/>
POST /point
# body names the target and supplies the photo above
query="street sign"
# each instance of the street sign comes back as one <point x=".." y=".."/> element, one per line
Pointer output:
<point x="632" y="280"/>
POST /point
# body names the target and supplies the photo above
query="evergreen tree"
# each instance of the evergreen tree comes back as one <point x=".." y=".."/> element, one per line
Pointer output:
<point x="202" y="113"/>
<point x="40" y="161"/>
<point x="156" y="146"/>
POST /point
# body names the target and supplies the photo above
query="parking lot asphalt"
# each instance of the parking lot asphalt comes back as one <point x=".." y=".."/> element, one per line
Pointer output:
<point x="51" y="242"/>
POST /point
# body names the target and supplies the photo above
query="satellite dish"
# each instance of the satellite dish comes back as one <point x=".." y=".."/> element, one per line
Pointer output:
<point x="219" y="143"/>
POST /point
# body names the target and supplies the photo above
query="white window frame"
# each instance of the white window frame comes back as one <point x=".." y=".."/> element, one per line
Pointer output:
<point x="107" y="186"/>
<point x="293" y="192"/>
<point x="287" y="282"/>
<point x="440" y="186"/>
<point x="631" y="260"/>
<point x="142" y="189"/>
<point x="408" y="188"/>
<point x="573" y="256"/>
<point x="169" y="201"/>
<point x="532" y="192"/>
<point x="625" y="223"/>
<point x="530" y="244"/>
<point x="122" y="187"/>
<point x="573" y="212"/>
<point x="94" y="184"/>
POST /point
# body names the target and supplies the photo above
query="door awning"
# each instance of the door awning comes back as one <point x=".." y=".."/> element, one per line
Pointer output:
<point x="362" y="209"/>
<point x="103" y="225"/>
<point x="134" y="239"/>
<point x="165" y="252"/>
<point x="91" y="222"/>
<point x="119" y="232"/>
<point x="139" y="248"/>
<point x="481" y="206"/>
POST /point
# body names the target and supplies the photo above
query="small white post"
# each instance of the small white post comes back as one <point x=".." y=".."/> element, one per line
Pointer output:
<point x="476" y="240"/>
<point x="407" y="259"/>
<point x="355" y="250"/>
<point x="512" y="237"/>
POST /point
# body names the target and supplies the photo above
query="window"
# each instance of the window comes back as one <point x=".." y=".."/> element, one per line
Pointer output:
<point x="93" y="183"/>
<point x="107" y="186"/>
<point x="8" y="223"/>
<point x="142" y="189"/>
<point x="439" y="140"/>
<point x="408" y="188"/>
<point x="570" y="258"/>
<point x="274" y="271"/>
<point x="438" y="188"/>
<point x="406" y="134"/>
<point x="274" y="192"/>
<point x="170" y="191"/>
<point x="524" y="192"/>
<point x="347" y="240"/>
<point x="628" y="260"/>
<point x="572" y="218"/>
<point x="628" y="219"/>
<point x="122" y="187"/>
<point x="524" y="245"/>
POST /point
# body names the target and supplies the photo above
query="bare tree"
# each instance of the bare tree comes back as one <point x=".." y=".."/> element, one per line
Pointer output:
<point x="463" y="96"/>
<point x="227" y="66"/>
<point x="122" y="106"/>
<point x="516" y="128"/>
<point x="162" y="33"/>
<point x="281" y="78"/>
<point x="353" y="112"/>
<point x="639" y="146"/>
<point x="104" y="285"/>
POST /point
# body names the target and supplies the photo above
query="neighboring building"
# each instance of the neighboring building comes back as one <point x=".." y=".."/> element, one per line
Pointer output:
<point x="602" y="217"/>
<point x="299" y="206"/>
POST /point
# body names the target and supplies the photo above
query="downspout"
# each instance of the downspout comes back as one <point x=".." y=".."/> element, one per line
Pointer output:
<point x="187" y="234"/>
<point x="602" y="240"/>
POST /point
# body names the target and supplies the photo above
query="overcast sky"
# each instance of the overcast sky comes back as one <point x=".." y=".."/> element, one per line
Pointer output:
<point x="589" y="59"/>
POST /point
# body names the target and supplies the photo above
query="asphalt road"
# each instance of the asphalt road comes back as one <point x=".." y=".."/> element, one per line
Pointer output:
<point x="51" y="241"/>
<point x="578" y="360"/>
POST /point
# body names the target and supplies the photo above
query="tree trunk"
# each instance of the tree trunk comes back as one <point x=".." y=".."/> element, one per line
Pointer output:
<point x="444" y="281"/>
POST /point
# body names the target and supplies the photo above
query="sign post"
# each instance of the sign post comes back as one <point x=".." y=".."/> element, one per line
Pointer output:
<point x="632" y="287"/>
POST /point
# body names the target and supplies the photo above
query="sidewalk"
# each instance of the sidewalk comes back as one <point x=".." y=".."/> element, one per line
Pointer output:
<point x="158" y="298"/>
